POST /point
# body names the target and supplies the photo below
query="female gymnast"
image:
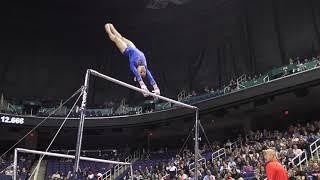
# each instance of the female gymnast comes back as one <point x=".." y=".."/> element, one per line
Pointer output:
<point x="137" y="60"/>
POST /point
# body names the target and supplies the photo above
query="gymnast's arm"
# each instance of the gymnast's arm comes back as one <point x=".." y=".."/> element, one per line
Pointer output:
<point x="135" y="72"/>
<point x="139" y="79"/>
<point x="153" y="82"/>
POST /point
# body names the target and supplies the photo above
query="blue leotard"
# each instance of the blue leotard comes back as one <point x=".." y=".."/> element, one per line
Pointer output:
<point x="137" y="58"/>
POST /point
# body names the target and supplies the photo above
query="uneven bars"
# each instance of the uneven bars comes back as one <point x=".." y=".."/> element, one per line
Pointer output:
<point x="69" y="156"/>
<point x="93" y="72"/>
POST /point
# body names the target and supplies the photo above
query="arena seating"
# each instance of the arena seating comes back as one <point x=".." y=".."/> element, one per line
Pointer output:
<point x="24" y="166"/>
<point x="243" y="158"/>
<point x="63" y="168"/>
<point x="246" y="81"/>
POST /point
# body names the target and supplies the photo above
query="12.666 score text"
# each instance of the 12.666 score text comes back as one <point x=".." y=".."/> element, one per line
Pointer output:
<point x="12" y="120"/>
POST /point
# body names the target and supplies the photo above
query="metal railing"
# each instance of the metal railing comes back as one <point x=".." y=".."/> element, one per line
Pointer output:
<point x="266" y="79"/>
<point x="139" y="110"/>
<point x="299" y="159"/>
<point x="107" y="175"/>
<point x="241" y="79"/>
<point x="234" y="145"/>
<point x="182" y="95"/>
<point x="11" y="108"/>
<point x="314" y="149"/>
<point x="226" y="89"/>
<point x="118" y="169"/>
<point x="218" y="154"/>
<point x="136" y="155"/>
<point x="202" y="161"/>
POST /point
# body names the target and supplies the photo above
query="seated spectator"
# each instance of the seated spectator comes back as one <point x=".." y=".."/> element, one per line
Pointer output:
<point x="285" y="72"/>
<point x="209" y="176"/>
<point x="206" y="89"/>
<point x="231" y="163"/>
<point x="90" y="175"/>
<point x="182" y="175"/>
<point x="233" y="84"/>
<point x="56" y="175"/>
<point x="235" y="173"/>
<point x="191" y="175"/>
<point x="315" y="170"/>
<point x="296" y="150"/>
<point x="247" y="168"/>
<point x="291" y="61"/>
<point x="301" y="66"/>
<point x="172" y="170"/>
<point x="193" y="93"/>
<point x="137" y="175"/>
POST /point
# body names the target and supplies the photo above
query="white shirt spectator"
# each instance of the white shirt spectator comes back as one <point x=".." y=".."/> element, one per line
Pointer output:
<point x="55" y="175"/>
<point x="184" y="177"/>
<point x="297" y="151"/>
<point x="91" y="176"/>
<point x="172" y="168"/>
<point x="211" y="177"/>
<point x="231" y="164"/>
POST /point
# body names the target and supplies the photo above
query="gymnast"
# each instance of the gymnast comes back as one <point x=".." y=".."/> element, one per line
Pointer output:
<point x="137" y="60"/>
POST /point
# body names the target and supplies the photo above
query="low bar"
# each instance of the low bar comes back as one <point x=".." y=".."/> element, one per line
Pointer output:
<point x="68" y="156"/>
<point x="93" y="72"/>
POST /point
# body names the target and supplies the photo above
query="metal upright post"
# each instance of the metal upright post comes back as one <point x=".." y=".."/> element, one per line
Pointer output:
<point x="131" y="171"/>
<point x="81" y="124"/>
<point x="15" y="164"/>
<point x="196" y="145"/>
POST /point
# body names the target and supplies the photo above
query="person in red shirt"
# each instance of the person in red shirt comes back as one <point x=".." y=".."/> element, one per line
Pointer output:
<point x="274" y="169"/>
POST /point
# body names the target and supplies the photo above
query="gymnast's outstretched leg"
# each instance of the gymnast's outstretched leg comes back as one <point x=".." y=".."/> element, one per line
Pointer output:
<point x="121" y="45"/>
<point x="116" y="33"/>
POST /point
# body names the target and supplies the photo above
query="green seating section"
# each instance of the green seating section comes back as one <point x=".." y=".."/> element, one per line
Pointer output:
<point x="161" y="106"/>
<point x="312" y="64"/>
<point x="278" y="72"/>
<point x="272" y="74"/>
<point x="253" y="82"/>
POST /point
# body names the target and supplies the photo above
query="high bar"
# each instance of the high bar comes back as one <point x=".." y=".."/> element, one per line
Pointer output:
<point x="69" y="156"/>
<point x="93" y="72"/>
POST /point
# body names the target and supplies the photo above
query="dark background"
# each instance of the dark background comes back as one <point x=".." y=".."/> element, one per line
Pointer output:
<point x="46" y="46"/>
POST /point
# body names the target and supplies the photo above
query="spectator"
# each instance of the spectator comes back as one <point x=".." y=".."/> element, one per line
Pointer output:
<point x="191" y="175"/>
<point x="274" y="169"/>
<point x="296" y="151"/>
<point x="56" y="175"/>
<point x="291" y="61"/>
<point x="301" y="66"/>
<point x="247" y="168"/>
<point x="182" y="175"/>
<point x="193" y="93"/>
<point x="285" y="72"/>
<point x="209" y="176"/>
<point x="172" y="169"/>
<point x="315" y="170"/>
<point x="233" y="84"/>
<point x="90" y="175"/>
<point x="235" y="174"/>
<point x="206" y="89"/>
